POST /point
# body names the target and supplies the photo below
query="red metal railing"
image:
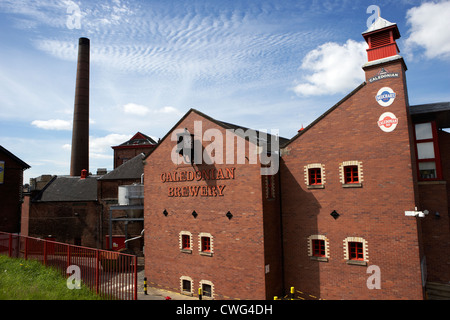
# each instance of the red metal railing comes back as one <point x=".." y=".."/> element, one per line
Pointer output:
<point x="112" y="275"/>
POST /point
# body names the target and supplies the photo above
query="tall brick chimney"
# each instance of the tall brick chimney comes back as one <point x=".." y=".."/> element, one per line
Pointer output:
<point x="80" y="131"/>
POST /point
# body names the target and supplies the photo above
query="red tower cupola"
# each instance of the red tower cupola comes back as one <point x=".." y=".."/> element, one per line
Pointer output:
<point x="381" y="38"/>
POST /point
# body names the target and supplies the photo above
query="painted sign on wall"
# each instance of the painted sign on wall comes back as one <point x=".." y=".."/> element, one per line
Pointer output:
<point x="387" y="122"/>
<point x="383" y="74"/>
<point x="210" y="190"/>
<point x="385" y="96"/>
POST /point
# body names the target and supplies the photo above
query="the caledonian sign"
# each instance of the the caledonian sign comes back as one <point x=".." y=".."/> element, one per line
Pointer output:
<point x="382" y="74"/>
<point x="197" y="175"/>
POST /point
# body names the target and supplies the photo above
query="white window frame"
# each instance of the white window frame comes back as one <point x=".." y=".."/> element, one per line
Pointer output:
<point x="201" y="283"/>
<point x="310" y="247"/>
<point x="186" y="278"/>
<point x="365" y="260"/>
<point x="181" y="234"/>
<point x="205" y="253"/>
<point x="360" y="173"/>
<point x="320" y="166"/>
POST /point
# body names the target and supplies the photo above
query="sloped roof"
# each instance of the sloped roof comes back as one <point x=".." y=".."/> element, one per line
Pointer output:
<point x="438" y="111"/>
<point x="132" y="169"/>
<point x="15" y="158"/>
<point x="69" y="188"/>
<point x="430" y="107"/>
<point x="139" y="139"/>
<point x="379" y="24"/>
<point x="260" y="138"/>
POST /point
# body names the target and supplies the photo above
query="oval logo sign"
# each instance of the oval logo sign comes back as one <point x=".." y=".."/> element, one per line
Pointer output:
<point x="385" y="96"/>
<point x="387" y="122"/>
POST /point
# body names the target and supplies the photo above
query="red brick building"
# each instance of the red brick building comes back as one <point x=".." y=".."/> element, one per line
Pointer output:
<point x="139" y="143"/>
<point x="65" y="209"/>
<point x="11" y="181"/>
<point x="79" y="209"/>
<point x="348" y="179"/>
<point x="211" y="226"/>
<point x="359" y="208"/>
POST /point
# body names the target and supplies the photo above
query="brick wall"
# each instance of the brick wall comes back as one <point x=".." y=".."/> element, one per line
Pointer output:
<point x="434" y="197"/>
<point x="68" y="222"/>
<point x="10" y="191"/>
<point x="372" y="211"/>
<point x="236" y="267"/>
<point x="122" y="154"/>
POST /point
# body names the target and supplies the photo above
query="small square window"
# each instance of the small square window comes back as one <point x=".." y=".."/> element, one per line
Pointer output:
<point x="315" y="176"/>
<point x="187" y="285"/>
<point x="207" y="290"/>
<point x="351" y="174"/>
<point x="186" y="242"/>
<point x="318" y="248"/>
<point x="427" y="170"/>
<point x="356" y="251"/>
<point x="206" y="244"/>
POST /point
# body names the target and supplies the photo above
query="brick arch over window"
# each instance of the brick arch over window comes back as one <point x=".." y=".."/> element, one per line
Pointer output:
<point x="342" y="172"/>
<point x="211" y="285"/>
<point x="318" y="237"/>
<point x="186" y="285"/>
<point x="183" y="236"/>
<point x="365" y="249"/>
<point x="206" y="243"/>
<point x="318" y="166"/>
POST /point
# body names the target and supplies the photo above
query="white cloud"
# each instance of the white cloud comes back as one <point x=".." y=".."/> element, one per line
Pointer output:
<point x="430" y="29"/>
<point x="137" y="109"/>
<point x="52" y="124"/>
<point x="333" y="68"/>
<point x="98" y="145"/>
<point x="140" y="110"/>
<point x="169" y="110"/>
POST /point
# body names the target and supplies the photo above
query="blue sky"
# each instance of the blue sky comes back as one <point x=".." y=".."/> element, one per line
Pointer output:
<point x="260" y="64"/>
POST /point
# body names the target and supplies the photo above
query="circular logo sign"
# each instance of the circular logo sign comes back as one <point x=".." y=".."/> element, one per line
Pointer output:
<point x="385" y="96"/>
<point x="388" y="122"/>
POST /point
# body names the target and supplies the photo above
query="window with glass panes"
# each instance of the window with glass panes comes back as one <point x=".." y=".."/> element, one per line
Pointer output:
<point x="186" y="241"/>
<point x="315" y="176"/>
<point x="355" y="250"/>
<point x="206" y="244"/>
<point x="427" y="151"/>
<point x="351" y="174"/>
<point x="318" y="248"/>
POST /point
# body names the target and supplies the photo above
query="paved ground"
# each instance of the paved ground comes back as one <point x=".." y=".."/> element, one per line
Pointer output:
<point x="157" y="293"/>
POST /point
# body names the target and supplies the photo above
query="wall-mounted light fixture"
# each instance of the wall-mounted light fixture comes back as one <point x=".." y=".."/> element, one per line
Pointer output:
<point x="195" y="214"/>
<point x="229" y="215"/>
<point x="165" y="212"/>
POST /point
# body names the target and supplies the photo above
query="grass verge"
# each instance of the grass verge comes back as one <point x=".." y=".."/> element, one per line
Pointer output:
<point x="29" y="280"/>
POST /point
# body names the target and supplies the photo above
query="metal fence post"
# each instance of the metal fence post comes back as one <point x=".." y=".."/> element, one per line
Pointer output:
<point x="97" y="270"/>
<point x="68" y="256"/>
<point x="10" y="245"/>
<point x="45" y="253"/>
<point x="135" y="278"/>
<point x="25" y="253"/>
